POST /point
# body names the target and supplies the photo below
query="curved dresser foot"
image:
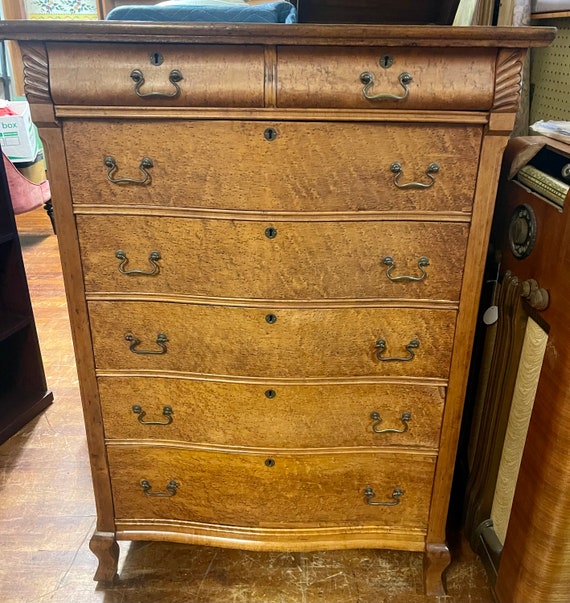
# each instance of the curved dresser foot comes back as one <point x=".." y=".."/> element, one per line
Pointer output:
<point x="106" y="549"/>
<point x="436" y="560"/>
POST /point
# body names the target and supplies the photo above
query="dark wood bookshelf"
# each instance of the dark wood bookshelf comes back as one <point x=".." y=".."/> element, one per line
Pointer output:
<point x="23" y="388"/>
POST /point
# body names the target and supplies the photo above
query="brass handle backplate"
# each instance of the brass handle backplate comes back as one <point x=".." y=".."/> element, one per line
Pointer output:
<point x="389" y="261"/>
<point x="375" y="416"/>
<point x="171" y="488"/>
<point x="153" y="257"/>
<point x="380" y="345"/>
<point x="111" y="164"/>
<point x="397" y="170"/>
<point x="174" y="77"/>
<point x="369" y="494"/>
<point x="161" y="341"/>
<point x="166" y="412"/>
<point x="367" y="79"/>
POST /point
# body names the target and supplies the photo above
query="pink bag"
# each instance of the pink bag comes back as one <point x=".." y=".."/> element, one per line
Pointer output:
<point x="26" y="195"/>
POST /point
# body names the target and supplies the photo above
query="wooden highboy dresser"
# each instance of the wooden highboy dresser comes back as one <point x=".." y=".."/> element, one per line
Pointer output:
<point x="272" y="239"/>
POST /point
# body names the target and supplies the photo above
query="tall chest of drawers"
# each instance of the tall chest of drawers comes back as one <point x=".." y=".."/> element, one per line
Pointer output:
<point x="272" y="240"/>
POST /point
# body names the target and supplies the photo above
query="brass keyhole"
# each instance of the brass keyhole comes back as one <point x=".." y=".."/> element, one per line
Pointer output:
<point x="386" y="61"/>
<point x="271" y="319"/>
<point x="270" y="393"/>
<point x="269" y="462"/>
<point x="271" y="232"/>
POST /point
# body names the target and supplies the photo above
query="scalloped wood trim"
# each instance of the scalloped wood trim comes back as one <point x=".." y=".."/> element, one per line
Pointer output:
<point x="508" y="80"/>
<point x="36" y="72"/>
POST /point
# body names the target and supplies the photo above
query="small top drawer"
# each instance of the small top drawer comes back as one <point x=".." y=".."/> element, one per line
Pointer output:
<point x="157" y="75"/>
<point x="386" y="78"/>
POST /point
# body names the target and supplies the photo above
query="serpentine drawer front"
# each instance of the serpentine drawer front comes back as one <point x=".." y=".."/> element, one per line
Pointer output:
<point x="282" y="416"/>
<point x="272" y="260"/>
<point x="226" y="340"/>
<point x="276" y="489"/>
<point x="273" y="240"/>
<point x="345" y="167"/>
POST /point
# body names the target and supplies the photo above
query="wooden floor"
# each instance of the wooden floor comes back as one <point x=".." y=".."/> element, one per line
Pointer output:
<point x="47" y="511"/>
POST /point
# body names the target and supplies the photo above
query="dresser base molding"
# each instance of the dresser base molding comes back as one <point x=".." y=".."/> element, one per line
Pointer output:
<point x="106" y="548"/>
<point x="271" y="539"/>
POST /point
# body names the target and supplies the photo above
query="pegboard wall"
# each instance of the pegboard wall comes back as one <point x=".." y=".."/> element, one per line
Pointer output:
<point x="550" y="76"/>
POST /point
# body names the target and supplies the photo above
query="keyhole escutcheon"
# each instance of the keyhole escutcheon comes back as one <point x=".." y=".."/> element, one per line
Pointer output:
<point x="270" y="134"/>
<point x="156" y="59"/>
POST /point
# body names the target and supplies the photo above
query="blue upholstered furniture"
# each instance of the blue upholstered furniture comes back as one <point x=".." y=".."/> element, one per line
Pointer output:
<point x="207" y="11"/>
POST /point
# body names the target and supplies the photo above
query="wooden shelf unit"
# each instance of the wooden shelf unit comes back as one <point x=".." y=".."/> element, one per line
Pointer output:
<point x="23" y="388"/>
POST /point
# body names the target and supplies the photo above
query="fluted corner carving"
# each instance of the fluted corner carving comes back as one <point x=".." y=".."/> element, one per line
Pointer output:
<point x="508" y="80"/>
<point x="36" y="72"/>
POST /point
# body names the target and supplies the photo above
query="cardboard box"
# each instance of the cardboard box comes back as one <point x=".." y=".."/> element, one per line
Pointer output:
<point x="18" y="134"/>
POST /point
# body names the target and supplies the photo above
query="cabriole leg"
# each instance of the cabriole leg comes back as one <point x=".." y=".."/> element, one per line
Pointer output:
<point x="106" y="549"/>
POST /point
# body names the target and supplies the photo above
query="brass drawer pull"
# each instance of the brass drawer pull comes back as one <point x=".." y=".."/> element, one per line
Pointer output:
<point x="174" y="77"/>
<point x="166" y="412"/>
<point x="381" y="347"/>
<point x="396" y="169"/>
<point x="369" y="493"/>
<point x="368" y="80"/>
<point x="161" y="340"/>
<point x="389" y="261"/>
<point x="153" y="257"/>
<point x="375" y="416"/>
<point x="111" y="163"/>
<point x="172" y="487"/>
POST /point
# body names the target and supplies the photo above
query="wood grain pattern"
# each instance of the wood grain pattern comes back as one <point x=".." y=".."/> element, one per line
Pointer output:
<point x="485" y="194"/>
<point x="77" y="307"/>
<point x="308" y="490"/>
<point x="301" y="343"/>
<point x="213" y="77"/>
<point x="236" y="259"/>
<point x="293" y="416"/>
<point x="268" y="33"/>
<point x="317" y="166"/>
<point x="442" y="79"/>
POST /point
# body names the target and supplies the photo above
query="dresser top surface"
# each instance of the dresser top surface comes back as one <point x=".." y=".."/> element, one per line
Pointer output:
<point x="290" y="34"/>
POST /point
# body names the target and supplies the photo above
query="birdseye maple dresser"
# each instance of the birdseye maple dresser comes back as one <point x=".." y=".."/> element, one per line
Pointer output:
<point x="272" y="239"/>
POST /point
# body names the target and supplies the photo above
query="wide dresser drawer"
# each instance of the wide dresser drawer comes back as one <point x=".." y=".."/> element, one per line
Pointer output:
<point x="282" y="166"/>
<point x="243" y="258"/>
<point x="271" y="490"/>
<point x="271" y="415"/>
<point x="157" y="75"/>
<point x="258" y="342"/>
<point x="386" y="78"/>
